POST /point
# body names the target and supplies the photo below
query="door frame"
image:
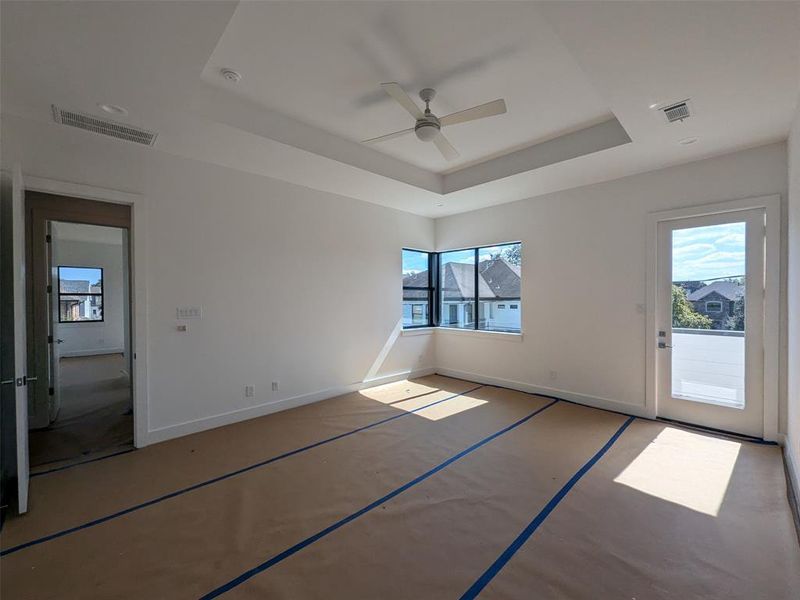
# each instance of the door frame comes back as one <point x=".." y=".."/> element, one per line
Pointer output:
<point x="138" y="283"/>
<point x="772" y="275"/>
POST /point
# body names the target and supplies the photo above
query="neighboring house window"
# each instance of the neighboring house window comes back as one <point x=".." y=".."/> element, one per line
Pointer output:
<point x="487" y="277"/>
<point x="418" y="289"/>
<point x="80" y="294"/>
<point x="714" y="307"/>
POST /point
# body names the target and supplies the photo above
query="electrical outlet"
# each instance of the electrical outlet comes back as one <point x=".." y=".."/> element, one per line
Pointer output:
<point x="249" y="391"/>
<point x="274" y="386"/>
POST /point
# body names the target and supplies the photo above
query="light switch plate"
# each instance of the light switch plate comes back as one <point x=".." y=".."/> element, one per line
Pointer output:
<point x="188" y="312"/>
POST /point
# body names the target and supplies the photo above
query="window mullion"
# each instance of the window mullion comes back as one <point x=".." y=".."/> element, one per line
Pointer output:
<point x="476" y="305"/>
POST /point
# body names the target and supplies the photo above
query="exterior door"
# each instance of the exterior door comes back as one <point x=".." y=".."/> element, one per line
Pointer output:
<point x="710" y="321"/>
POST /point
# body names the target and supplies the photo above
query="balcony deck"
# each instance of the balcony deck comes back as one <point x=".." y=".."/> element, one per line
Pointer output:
<point x="708" y="366"/>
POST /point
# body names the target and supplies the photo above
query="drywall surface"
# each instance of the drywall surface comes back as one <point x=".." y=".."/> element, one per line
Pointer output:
<point x="108" y="335"/>
<point x="294" y="286"/>
<point x="793" y="362"/>
<point x="584" y="276"/>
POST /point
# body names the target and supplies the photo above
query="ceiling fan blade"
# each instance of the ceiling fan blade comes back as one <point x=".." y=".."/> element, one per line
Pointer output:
<point x="445" y="147"/>
<point x="403" y="99"/>
<point x="388" y="136"/>
<point x="490" y="109"/>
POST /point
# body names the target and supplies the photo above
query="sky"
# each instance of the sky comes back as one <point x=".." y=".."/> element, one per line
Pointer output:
<point x="414" y="262"/>
<point x="702" y="253"/>
<point x="80" y="274"/>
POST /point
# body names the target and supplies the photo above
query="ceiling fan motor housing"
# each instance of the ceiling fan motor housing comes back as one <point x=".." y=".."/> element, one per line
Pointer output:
<point x="427" y="128"/>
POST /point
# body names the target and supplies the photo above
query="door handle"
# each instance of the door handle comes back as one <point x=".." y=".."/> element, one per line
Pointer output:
<point x="662" y="345"/>
<point x="59" y="341"/>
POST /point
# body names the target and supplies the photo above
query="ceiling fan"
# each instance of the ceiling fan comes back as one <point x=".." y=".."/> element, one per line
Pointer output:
<point x="428" y="126"/>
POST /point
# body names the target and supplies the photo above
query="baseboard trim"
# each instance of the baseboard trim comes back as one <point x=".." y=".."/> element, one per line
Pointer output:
<point x="92" y="352"/>
<point x="585" y="399"/>
<point x="792" y="465"/>
<point x="169" y="432"/>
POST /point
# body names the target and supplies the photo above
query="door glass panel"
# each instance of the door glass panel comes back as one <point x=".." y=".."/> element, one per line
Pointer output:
<point x="708" y="314"/>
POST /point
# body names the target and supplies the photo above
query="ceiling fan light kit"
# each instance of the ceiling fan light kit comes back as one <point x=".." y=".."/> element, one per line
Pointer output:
<point x="427" y="126"/>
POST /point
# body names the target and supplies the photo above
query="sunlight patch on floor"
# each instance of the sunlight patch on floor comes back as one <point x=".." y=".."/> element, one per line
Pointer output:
<point x="394" y="392"/>
<point x="445" y="409"/>
<point x="686" y="468"/>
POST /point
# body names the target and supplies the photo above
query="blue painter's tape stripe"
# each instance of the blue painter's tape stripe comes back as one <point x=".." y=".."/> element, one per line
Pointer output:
<point x="331" y="528"/>
<point x="83" y="462"/>
<point x="197" y="486"/>
<point x="523" y="537"/>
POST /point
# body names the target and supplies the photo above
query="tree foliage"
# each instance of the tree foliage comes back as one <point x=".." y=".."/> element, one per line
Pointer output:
<point x="736" y="321"/>
<point x="513" y="254"/>
<point x="684" y="314"/>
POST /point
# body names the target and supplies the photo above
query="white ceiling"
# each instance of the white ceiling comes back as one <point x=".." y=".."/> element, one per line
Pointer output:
<point x="322" y="64"/>
<point x="578" y="78"/>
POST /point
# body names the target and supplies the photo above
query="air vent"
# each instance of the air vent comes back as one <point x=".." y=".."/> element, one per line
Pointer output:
<point x="104" y="126"/>
<point x="677" y="112"/>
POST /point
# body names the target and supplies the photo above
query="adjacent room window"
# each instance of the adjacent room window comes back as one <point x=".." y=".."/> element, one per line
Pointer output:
<point x="80" y="294"/>
<point x="418" y="289"/>
<point x="487" y="277"/>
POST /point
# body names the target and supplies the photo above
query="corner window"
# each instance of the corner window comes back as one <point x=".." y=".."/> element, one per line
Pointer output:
<point x="418" y="289"/>
<point x="80" y="294"/>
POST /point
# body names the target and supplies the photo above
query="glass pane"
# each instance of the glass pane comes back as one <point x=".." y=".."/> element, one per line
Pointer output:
<point x="415" y="308"/>
<point x="499" y="287"/>
<point x="708" y="320"/>
<point x="415" y="302"/>
<point x="79" y="307"/>
<point x="458" y="289"/>
<point x="86" y="280"/>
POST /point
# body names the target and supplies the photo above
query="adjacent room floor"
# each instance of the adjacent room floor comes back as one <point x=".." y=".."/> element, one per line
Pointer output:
<point x="95" y="416"/>
<point x="431" y="488"/>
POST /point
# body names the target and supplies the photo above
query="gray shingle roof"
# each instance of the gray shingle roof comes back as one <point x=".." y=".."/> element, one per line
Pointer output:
<point x="74" y="286"/>
<point x="497" y="278"/>
<point x="729" y="289"/>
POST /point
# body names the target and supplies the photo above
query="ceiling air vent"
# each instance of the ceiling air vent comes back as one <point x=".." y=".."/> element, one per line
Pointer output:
<point x="677" y="112"/>
<point x="106" y="127"/>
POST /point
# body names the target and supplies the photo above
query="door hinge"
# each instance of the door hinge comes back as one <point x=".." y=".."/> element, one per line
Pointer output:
<point x="49" y="289"/>
<point x="51" y="391"/>
<point x="49" y="339"/>
<point x="48" y="238"/>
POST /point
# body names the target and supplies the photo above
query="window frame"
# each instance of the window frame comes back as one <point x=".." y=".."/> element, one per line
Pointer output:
<point x="476" y="300"/>
<point x="433" y="279"/>
<point x="718" y="303"/>
<point x="92" y="294"/>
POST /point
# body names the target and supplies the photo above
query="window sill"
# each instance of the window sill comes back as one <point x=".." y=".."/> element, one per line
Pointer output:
<point x="418" y="331"/>
<point x="495" y="335"/>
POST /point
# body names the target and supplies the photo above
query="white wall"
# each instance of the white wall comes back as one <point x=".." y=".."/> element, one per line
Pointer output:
<point x="295" y="286"/>
<point x="583" y="275"/>
<point x="793" y="413"/>
<point x="106" y="336"/>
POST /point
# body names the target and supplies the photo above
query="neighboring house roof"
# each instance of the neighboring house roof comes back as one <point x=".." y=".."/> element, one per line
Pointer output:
<point x="728" y="289"/>
<point x="497" y="278"/>
<point x="74" y="286"/>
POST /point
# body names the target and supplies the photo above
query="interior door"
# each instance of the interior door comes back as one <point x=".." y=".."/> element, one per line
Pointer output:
<point x="54" y="346"/>
<point x="20" y="337"/>
<point x="710" y="317"/>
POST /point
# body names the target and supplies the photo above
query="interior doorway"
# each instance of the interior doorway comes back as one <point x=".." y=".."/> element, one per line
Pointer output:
<point x="80" y="404"/>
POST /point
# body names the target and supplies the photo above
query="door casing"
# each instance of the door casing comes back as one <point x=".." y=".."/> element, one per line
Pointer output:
<point x="772" y="317"/>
